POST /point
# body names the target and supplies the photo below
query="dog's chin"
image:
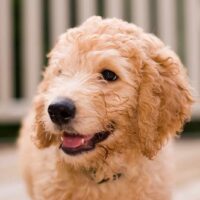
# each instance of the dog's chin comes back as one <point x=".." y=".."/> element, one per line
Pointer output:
<point x="76" y="144"/>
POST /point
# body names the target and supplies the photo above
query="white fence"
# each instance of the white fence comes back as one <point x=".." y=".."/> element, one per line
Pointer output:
<point x="140" y="12"/>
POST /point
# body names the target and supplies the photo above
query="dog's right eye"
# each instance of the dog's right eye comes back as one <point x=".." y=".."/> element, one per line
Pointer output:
<point x="109" y="75"/>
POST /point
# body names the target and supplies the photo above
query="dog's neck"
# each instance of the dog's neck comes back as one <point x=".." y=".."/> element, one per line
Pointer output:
<point x="110" y="170"/>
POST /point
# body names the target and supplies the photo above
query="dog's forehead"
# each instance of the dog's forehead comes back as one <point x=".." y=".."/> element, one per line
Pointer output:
<point x="94" y="59"/>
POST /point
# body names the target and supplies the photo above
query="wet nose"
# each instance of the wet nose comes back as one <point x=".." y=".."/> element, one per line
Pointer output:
<point x="61" y="111"/>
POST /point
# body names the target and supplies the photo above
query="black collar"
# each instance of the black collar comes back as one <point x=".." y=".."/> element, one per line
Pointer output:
<point x="114" y="178"/>
<point x="99" y="177"/>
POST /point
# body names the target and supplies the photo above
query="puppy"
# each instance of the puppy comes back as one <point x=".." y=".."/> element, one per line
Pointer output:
<point x="110" y="99"/>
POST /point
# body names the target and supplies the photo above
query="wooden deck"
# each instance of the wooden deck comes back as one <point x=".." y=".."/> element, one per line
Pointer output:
<point x="187" y="154"/>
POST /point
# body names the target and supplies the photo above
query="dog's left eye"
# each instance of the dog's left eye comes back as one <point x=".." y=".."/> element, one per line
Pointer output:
<point x="109" y="75"/>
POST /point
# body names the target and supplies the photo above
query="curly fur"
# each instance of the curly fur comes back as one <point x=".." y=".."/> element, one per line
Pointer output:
<point x="144" y="108"/>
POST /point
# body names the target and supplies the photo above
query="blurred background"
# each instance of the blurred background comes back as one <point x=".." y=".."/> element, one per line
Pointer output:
<point x="29" y="29"/>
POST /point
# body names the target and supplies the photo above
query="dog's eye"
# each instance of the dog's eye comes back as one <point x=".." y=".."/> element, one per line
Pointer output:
<point x="109" y="75"/>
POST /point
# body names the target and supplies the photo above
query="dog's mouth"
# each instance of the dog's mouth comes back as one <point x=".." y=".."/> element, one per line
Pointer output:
<point x="74" y="144"/>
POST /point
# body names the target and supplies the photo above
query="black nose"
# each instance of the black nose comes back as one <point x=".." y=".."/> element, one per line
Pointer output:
<point x="61" y="110"/>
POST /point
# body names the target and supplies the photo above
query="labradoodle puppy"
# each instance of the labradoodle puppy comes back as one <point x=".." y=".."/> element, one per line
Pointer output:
<point x="111" y="98"/>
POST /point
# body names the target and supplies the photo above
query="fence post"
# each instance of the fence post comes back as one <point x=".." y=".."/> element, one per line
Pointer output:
<point x="86" y="8"/>
<point x="59" y="19"/>
<point x="6" y="54"/>
<point x="192" y="41"/>
<point x="114" y="8"/>
<point x="32" y="45"/>
<point x="167" y="22"/>
<point x="140" y="13"/>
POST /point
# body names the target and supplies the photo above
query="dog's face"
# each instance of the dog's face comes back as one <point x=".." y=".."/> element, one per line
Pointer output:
<point x="110" y="88"/>
<point x="90" y="101"/>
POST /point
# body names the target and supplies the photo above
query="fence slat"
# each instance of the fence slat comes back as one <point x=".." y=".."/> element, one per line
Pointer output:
<point x="32" y="45"/>
<point x="140" y="13"/>
<point x="85" y="9"/>
<point x="192" y="41"/>
<point x="59" y="19"/>
<point x="114" y="8"/>
<point x="167" y="22"/>
<point x="6" y="57"/>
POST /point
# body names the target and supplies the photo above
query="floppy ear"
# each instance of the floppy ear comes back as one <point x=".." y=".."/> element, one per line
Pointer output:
<point x="41" y="137"/>
<point x="164" y="100"/>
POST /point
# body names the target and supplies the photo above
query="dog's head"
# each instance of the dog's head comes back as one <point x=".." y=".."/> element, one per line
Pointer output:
<point x="110" y="87"/>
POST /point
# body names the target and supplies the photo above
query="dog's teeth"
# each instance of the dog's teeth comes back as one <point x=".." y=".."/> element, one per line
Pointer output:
<point x="82" y="141"/>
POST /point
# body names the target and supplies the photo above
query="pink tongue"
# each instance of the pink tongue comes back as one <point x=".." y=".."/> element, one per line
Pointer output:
<point x="72" y="141"/>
